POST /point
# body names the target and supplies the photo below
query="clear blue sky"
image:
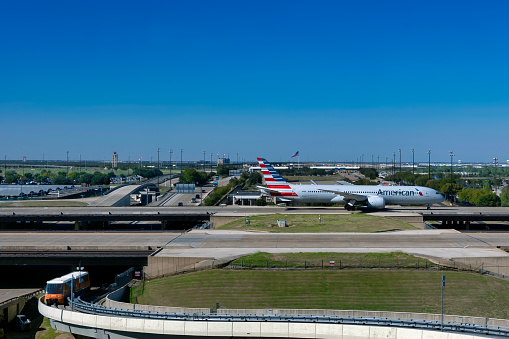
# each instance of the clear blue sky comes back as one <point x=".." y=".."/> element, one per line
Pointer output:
<point x="331" y="79"/>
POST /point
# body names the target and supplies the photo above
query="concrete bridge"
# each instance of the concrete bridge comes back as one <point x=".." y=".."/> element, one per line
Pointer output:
<point x="122" y="195"/>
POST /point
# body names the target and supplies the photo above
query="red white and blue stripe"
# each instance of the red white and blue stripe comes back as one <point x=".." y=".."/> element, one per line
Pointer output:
<point x="275" y="182"/>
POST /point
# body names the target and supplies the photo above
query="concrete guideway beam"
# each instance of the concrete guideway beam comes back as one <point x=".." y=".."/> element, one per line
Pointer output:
<point x="101" y="326"/>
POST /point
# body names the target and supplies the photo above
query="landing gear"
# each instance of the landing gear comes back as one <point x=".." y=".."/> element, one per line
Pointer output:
<point x="428" y="208"/>
<point x="349" y="207"/>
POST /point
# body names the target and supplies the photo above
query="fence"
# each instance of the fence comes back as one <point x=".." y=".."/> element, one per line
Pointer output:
<point x="364" y="263"/>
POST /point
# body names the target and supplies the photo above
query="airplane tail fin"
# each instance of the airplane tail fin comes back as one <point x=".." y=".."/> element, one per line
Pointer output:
<point x="270" y="175"/>
<point x="276" y="184"/>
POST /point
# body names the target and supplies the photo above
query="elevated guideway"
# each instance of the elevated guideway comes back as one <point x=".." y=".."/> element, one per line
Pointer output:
<point x="117" y="322"/>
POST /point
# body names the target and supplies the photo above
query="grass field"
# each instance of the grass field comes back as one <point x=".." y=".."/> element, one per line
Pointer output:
<point x="323" y="260"/>
<point x="377" y="290"/>
<point x="43" y="203"/>
<point x="311" y="223"/>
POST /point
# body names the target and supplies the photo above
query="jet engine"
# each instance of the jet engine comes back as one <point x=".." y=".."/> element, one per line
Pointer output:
<point x="376" y="203"/>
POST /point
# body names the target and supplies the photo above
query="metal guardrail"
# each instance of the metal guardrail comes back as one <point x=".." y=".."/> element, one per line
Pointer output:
<point x="90" y="308"/>
<point x="123" y="279"/>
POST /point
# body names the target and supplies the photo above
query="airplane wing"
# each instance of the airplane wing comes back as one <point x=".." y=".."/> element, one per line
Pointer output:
<point x="314" y="183"/>
<point x="342" y="182"/>
<point x="347" y="196"/>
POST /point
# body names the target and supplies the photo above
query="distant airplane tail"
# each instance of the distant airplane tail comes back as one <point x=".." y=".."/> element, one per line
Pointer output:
<point x="270" y="175"/>
<point x="276" y="184"/>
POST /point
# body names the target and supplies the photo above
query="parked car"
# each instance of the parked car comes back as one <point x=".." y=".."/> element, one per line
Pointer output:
<point x="21" y="323"/>
<point x="180" y="203"/>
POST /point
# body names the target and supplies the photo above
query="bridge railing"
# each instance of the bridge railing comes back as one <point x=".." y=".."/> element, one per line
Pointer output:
<point x="427" y="324"/>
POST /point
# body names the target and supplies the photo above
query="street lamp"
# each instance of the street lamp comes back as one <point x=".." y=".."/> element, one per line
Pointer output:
<point x="429" y="164"/>
<point x="413" y="161"/>
<point x="67" y="164"/>
<point x="80" y="163"/>
<point x="181" y="168"/>
<point x="452" y="155"/>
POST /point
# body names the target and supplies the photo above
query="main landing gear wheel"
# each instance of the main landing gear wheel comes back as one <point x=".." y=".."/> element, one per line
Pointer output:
<point x="350" y="208"/>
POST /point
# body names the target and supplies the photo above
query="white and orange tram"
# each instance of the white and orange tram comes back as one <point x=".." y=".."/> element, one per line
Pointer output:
<point x="58" y="289"/>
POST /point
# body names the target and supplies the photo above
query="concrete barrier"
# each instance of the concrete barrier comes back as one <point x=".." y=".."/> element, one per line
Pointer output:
<point x="481" y="321"/>
<point x="73" y="320"/>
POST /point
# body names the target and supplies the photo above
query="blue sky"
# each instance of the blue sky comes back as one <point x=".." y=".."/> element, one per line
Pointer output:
<point x="331" y="79"/>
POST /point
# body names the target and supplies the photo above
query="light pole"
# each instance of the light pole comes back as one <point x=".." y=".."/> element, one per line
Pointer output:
<point x="158" y="171"/>
<point x="400" y="159"/>
<point x="140" y="165"/>
<point x="429" y="164"/>
<point x="67" y="164"/>
<point x="128" y="165"/>
<point x="386" y="161"/>
<point x="171" y="152"/>
<point x="5" y="166"/>
<point x="80" y="163"/>
<point x="211" y="154"/>
<point x="413" y="161"/>
<point x="442" y="303"/>
<point x="393" y="163"/>
<point x="495" y="174"/>
<point x="203" y="161"/>
<point x="452" y="155"/>
<point x="181" y="168"/>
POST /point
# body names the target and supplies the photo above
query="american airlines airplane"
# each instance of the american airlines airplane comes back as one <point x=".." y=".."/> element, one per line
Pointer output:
<point x="375" y="197"/>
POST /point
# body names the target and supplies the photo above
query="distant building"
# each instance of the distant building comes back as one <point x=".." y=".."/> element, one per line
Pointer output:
<point x="223" y="161"/>
<point x="114" y="161"/>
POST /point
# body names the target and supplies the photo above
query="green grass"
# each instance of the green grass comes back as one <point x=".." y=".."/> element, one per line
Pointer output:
<point x="310" y="223"/>
<point x="467" y="294"/>
<point x="44" y="203"/>
<point x="46" y="332"/>
<point x="323" y="259"/>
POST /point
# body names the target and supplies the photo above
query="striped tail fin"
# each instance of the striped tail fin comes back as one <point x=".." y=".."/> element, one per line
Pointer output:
<point x="276" y="185"/>
<point x="269" y="173"/>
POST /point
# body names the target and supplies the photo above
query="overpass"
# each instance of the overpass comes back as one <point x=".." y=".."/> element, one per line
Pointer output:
<point x="85" y="217"/>
<point x="463" y="217"/>
<point x="122" y="195"/>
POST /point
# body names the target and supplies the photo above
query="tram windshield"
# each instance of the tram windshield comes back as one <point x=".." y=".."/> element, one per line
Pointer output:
<point x="54" y="288"/>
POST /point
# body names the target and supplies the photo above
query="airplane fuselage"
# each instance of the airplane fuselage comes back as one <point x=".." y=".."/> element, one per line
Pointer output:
<point x="400" y="195"/>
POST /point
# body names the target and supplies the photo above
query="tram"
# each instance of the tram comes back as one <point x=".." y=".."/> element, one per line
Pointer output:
<point x="58" y="289"/>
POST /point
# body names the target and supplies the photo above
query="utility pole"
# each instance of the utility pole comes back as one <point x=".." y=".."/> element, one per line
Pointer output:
<point x="67" y="164"/>
<point x="211" y="154"/>
<point x="80" y="163"/>
<point x="128" y="164"/>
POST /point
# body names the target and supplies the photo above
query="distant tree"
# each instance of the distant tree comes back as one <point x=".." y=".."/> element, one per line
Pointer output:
<point x="100" y="179"/>
<point x="369" y="172"/>
<point x="192" y="176"/>
<point x="504" y="196"/>
<point x="490" y="199"/>
<point x="254" y="179"/>
<point x="11" y="177"/>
